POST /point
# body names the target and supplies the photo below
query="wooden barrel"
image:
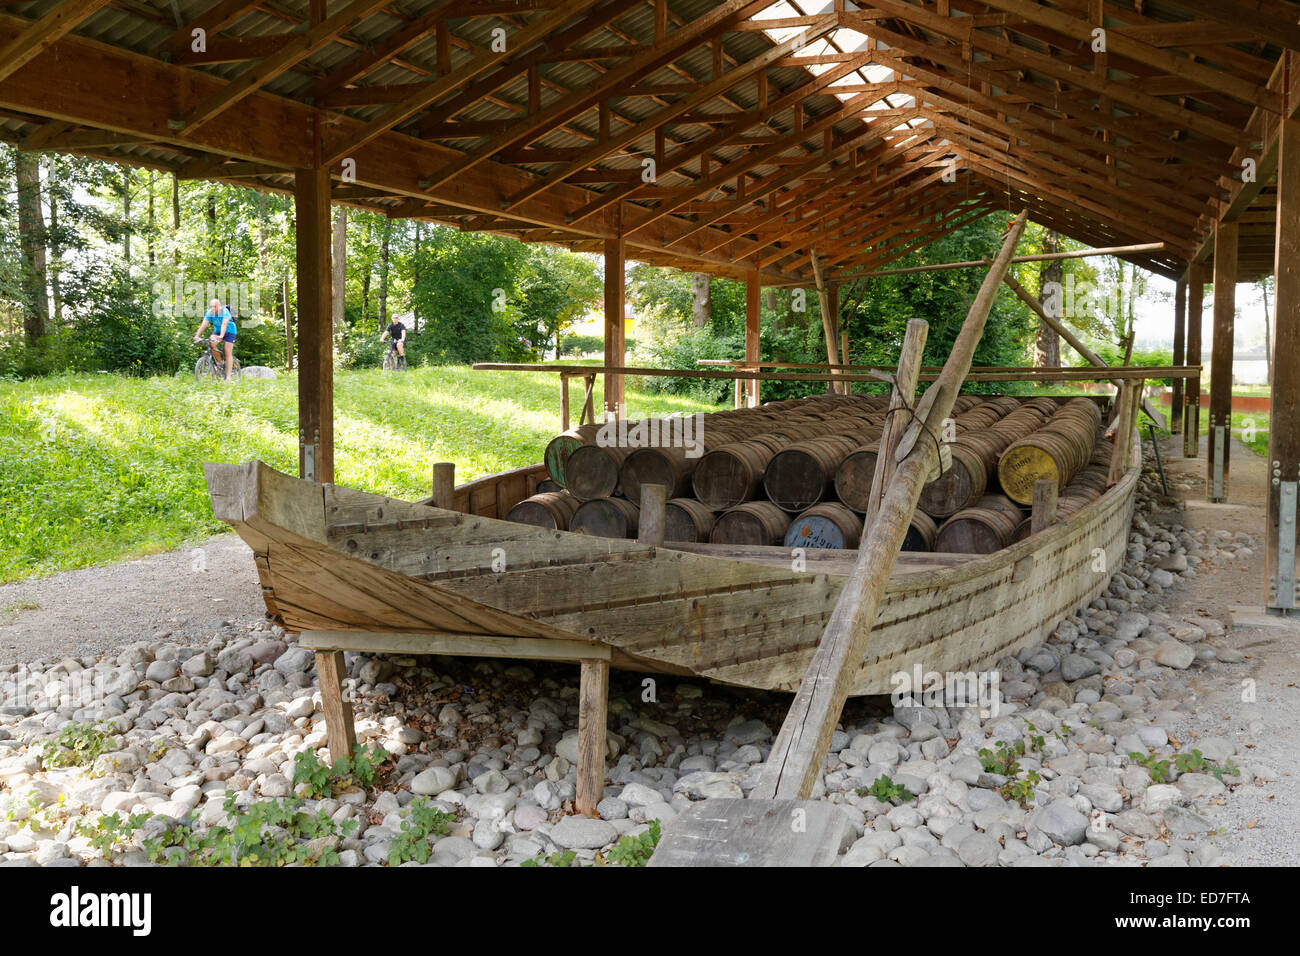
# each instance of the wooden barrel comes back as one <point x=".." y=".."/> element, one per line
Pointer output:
<point x="553" y="510"/>
<point x="754" y="522"/>
<point x="656" y="466"/>
<point x="730" y="475"/>
<point x="547" y="484"/>
<point x="853" y="476"/>
<point x="1001" y="503"/>
<point x="802" y="474"/>
<point x="592" y="470"/>
<point x="962" y="484"/>
<point x="606" y="518"/>
<point x="559" y="448"/>
<point x="920" y="533"/>
<point x="686" y="519"/>
<point x="975" y="531"/>
<point x="827" y="525"/>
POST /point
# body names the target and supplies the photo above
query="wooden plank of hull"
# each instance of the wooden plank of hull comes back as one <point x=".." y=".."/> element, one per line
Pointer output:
<point x="746" y="619"/>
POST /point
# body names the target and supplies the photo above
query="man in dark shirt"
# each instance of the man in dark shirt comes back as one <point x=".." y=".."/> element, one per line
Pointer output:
<point x="397" y="332"/>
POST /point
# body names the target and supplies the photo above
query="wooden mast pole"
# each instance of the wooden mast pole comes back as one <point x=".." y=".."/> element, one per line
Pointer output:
<point x="311" y="195"/>
<point x="753" y="332"/>
<point x="615" y="331"/>
<point x="1192" y="390"/>
<point x="1225" y="281"/>
<point x="1180" y="340"/>
<point x="797" y="757"/>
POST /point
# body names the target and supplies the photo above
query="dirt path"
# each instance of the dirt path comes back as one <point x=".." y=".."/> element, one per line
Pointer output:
<point x="1263" y="821"/>
<point x="190" y="594"/>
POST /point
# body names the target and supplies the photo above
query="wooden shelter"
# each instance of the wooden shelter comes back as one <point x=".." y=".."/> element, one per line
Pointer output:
<point x="782" y="143"/>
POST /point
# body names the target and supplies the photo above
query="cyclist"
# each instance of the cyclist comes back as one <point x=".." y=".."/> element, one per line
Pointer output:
<point x="397" y="332"/>
<point x="223" y="330"/>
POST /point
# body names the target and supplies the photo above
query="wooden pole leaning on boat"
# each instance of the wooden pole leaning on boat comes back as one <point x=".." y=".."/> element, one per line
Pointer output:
<point x="901" y="400"/>
<point x="1075" y="342"/>
<point x="444" y="484"/>
<point x="828" y="321"/>
<point x="800" y="749"/>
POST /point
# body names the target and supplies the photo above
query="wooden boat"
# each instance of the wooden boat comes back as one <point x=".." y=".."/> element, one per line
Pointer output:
<point x="345" y="562"/>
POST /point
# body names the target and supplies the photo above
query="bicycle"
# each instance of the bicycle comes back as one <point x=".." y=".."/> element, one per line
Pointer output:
<point x="212" y="364"/>
<point x="393" y="362"/>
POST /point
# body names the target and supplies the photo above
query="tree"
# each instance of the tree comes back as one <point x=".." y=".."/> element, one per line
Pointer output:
<point x="32" y="239"/>
<point x="1047" y="342"/>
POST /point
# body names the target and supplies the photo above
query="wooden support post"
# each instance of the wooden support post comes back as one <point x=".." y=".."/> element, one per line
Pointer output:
<point x="828" y="319"/>
<point x="589" y="402"/>
<point x="1225" y="300"/>
<point x="311" y="195"/>
<point x="615" y="328"/>
<point x="564" y="403"/>
<point x="1180" y="333"/>
<point x="652" y="520"/>
<point x="752" y="332"/>
<point x="740" y="393"/>
<point x="593" y="700"/>
<point x="902" y="397"/>
<point x="1284" y="416"/>
<point x="339" y="730"/>
<point x="1044" y="514"/>
<point x="1192" y="392"/>
<point x="799" y="752"/>
<point x="444" y="483"/>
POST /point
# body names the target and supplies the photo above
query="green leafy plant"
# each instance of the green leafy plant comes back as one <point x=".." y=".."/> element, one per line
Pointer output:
<point x="1022" y="790"/>
<point x="564" y="858"/>
<point x="412" y="843"/>
<point x="1197" y="762"/>
<point x="361" y="769"/>
<point x="1004" y="760"/>
<point x="1036" y="740"/>
<point x="1157" y="768"/>
<point x="76" y="746"/>
<point x="635" y="850"/>
<point x="265" y="833"/>
<point x="887" y="791"/>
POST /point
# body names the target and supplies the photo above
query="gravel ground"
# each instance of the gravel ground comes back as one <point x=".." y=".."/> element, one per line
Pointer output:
<point x="188" y="595"/>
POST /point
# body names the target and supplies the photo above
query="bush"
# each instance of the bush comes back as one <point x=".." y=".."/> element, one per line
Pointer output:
<point x="579" y="345"/>
<point x="682" y="350"/>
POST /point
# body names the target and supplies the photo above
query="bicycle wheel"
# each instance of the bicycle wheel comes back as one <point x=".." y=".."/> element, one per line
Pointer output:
<point x="390" y="362"/>
<point x="203" y="367"/>
<point x="237" y="371"/>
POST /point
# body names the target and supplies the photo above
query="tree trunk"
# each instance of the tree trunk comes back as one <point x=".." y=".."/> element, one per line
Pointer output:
<point x="340" y="261"/>
<point x="701" y="300"/>
<point x="288" y="324"/>
<point x="55" y="249"/>
<point x="383" y="273"/>
<point x="415" y="277"/>
<point x="1047" y="344"/>
<point x="31" y="239"/>
<point x="126" y="216"/>
<point x="149" y="235"/>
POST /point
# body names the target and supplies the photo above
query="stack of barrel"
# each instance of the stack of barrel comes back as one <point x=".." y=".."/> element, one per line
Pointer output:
<point x="799" y="472"/>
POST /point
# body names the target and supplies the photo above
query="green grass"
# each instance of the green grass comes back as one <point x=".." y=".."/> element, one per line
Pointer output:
<point x="1249" y="428"/>
<point x="98" y="468"/>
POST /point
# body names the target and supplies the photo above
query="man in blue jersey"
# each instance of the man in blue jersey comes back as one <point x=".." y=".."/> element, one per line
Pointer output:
<point x="223" y="330"/>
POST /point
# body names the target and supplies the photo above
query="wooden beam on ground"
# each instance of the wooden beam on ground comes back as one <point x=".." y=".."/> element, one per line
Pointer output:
<point x="1043" y="515"/>
<point x="615" y="328"/>
<point x="339" y="729"/>
<point x="1284" y="410"/>
<point x="797" y="756"/>
<point x="315" y="326"/>
<point x="753" y="332"/>
<point x="1192" y="395"/>
<point x="1180" y="335"/>
<point x="1225" y="300"/>
<point x="593" y="707"/>
<point x="45" y="32"/>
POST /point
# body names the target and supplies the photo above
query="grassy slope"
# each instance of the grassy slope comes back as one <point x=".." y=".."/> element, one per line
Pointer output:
<point x="96" y="468"/>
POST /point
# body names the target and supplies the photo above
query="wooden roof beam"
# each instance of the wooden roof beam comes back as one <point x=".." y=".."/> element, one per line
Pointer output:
<point x="41" y="34"/>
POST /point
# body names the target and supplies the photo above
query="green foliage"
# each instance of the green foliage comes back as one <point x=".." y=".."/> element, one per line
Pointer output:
<point x="94" y="468"/>
<point x="682" y="350"/>
<point x="560" y="858"/>
<point x="1004" y="760"/>
<point x="636" y="850"/>
<point x="887" y="791"/>
<point x="1197" y="762"/>
<point x="37" y="817"/>
<point x="265" y="833"/>
<point x="412" y="843"/>
<point x="1022" y="790"/>
<point x="77" y="745"/>
<point x="578" y="345"/>
<point x="361" y="769"/>
<point x="1157" y="768"/>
